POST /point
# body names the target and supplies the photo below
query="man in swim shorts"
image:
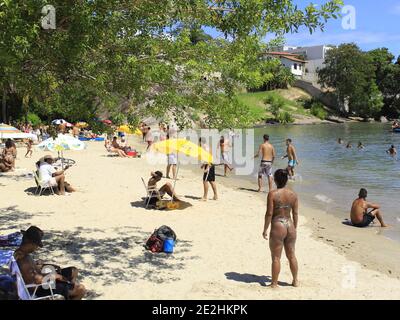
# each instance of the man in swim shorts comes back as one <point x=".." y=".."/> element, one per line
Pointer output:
<point x="292" y="157"/>
<point x="360" y="216"/>
<point x="268" y="156"/>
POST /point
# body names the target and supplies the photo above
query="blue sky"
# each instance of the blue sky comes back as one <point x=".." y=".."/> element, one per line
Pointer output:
<point x="377" y="25"/>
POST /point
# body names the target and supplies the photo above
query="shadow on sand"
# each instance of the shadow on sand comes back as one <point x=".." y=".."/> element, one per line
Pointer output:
<point x="264" y="281"/>
<point x="250" y="190"/>
<point x="116" y="259"/>
<point x="141" y="204"/>
<point x="12" y="219"/>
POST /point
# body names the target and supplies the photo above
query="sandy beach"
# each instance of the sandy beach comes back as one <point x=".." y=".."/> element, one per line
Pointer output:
<point x="220" y="253"/>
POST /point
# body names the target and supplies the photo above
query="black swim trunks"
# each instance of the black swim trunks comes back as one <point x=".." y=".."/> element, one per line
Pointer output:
<point x="367" y="219"/>
<point x="62" y="288"/>
<point x="210" y="175"/>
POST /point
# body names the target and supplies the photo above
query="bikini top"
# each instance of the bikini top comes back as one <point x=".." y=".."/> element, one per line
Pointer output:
<point x="279" y="204"/>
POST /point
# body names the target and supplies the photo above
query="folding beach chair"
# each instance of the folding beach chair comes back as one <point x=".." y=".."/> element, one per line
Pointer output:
<point x="41" y="186"/>
<point x="23" y="289"/>
<point x="151" y="192"/>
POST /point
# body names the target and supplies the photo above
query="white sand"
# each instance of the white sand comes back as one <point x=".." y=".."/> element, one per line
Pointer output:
<point x="220" y="252"/>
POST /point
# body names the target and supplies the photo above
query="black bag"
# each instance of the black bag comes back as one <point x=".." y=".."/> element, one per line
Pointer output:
<point x="165" y="232"/>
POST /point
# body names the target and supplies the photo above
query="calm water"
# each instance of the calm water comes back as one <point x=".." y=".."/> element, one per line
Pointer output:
<point x="330" y="176"/>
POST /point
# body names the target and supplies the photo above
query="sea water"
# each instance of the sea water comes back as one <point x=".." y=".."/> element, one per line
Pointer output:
<point x="330" y="176"/>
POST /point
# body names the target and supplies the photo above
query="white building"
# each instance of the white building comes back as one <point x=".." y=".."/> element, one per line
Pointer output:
<point x="290" y="61"/>
<point x="315" y="56"/>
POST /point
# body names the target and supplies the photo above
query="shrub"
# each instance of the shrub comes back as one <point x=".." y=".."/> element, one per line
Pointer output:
<point x="285" y="117"/>
<point x="317" y="110"/>
<point x="33" y="119"/>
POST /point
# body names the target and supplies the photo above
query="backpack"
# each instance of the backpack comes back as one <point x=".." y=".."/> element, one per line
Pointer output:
<point x="165" y="232"/>
<point x="156" y="241"/>
<point x="154" y="244"/>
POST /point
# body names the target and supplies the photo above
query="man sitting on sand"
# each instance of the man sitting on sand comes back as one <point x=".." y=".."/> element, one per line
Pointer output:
<point x="165" y="189"/>
<point x="360" y="217"/>
<point x="47" y="174"/>
<point x="66" y="284"/>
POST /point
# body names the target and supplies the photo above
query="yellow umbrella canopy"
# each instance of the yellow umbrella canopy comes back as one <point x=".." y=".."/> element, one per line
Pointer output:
<point x="125" y="128"/>
<point x="185" y="147"/>
<point x="81" y="125"/>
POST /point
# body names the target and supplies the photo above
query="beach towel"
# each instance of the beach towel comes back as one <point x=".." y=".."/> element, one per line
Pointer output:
<point x="11" y="240"/>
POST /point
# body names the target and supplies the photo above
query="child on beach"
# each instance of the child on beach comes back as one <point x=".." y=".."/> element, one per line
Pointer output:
<point x="29" y="148"/>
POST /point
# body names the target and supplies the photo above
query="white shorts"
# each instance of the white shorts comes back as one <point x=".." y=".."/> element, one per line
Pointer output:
<point x="225" y="158"/>
<point x="172" y="159"/>
<point x="52" y="182"/>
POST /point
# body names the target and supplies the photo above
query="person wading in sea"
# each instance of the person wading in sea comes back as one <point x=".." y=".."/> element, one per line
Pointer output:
<point x="292" y="157"/>
<point x="267" y="151"/>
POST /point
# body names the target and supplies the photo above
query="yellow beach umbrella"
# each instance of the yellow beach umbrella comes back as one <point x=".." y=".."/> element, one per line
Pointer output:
<point x="81" y="125"/>
<point x="125" y="128"/>
<point x="185" y="147"/>
<point x="138" y="132"/>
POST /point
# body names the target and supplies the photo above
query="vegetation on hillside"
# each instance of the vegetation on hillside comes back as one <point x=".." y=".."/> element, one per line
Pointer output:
<point x="153" y="59"/>
<point x="368" y="82"/>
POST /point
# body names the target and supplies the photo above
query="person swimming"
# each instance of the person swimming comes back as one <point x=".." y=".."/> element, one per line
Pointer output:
<point x="392" y="151"/>
<point x="349" y="146"/>
<point x="281" y="207"/>
<point x="340" y="141"/>
<point x="360" y="145"/>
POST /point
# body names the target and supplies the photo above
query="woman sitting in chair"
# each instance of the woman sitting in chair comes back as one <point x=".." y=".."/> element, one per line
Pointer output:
<point x="110" y="148"/>
<point x="165" y="189"/>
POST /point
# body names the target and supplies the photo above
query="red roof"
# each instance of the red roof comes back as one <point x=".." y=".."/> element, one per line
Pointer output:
<point x="286" y="55"/>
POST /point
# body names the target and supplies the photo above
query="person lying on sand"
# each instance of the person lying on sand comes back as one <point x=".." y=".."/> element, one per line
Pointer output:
<point x="47" y="174"/>
<point x="118" y="151"/>
<point x="165" y="189"/>
<point x="31" y="271"/>
<point x="282" y="205"/>
<point x="360" y="217"/>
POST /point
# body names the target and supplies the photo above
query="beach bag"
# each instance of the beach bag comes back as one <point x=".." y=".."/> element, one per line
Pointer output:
<point x="154" y="244"/>
<point x="156" y="241"/>
<point x="165" y="232"/>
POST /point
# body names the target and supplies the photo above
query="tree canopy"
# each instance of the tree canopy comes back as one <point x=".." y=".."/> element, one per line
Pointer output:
<point x="153" y="58"/>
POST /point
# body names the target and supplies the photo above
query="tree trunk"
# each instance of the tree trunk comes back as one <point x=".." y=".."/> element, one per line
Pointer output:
<point x="4" y="106"/>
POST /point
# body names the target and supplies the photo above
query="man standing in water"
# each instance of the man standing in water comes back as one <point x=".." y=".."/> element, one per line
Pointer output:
<point x="268" y="156"/>
<point x="360" y="217"/>
<point x="292" y="156"/>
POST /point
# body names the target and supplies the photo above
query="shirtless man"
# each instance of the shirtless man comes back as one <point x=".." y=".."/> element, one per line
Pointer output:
<point x="32" y="273"/>
<point x="165" y="189"/>
<point x="360" y="217"/>
<point x="268" y="156"/>
<point x="292" y="157"/>
<point x="224" y="144"/>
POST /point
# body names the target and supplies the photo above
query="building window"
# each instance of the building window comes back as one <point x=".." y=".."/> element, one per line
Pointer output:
<point x="295" y="66"/>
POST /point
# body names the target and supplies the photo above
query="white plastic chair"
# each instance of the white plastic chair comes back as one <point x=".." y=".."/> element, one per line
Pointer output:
<point x="23" y="289"/>
<point x="152" y="191"/>
<point x="41" y="186"/>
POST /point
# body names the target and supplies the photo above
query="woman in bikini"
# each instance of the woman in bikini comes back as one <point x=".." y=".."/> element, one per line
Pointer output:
<point x="282" y="204"/>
